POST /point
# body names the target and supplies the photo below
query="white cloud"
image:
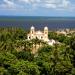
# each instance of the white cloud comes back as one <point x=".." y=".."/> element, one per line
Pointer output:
<point x="32" y="4"/>
<point x="56" y="4"/>
<point x="64" y="4"/>
<point x="8" y="4"/>
<point x="29" y="1"/>
<point x="26" y="1"/>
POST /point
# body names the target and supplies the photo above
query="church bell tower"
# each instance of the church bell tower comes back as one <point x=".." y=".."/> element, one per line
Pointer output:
<point x="45" y="33"/>
<point x="32" y="31"/>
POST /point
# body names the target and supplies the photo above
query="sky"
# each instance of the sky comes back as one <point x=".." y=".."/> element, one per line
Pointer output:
<point x="62" y="8"/>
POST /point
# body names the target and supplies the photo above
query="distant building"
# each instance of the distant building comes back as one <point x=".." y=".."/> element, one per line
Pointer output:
<point x="38" y="34"/>
<point x="62" y="32"/>
<point x="41" y="35"/>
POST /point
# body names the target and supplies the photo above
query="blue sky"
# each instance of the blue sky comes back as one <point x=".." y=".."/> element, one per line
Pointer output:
<point x="37" y="8"/>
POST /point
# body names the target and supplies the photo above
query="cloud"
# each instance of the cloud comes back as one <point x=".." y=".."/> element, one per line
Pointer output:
<point x="8" y="5"/>
<point x="56" y="4"/>
<point x="25" y="1"/>
<point x="50" y="4"/>
<point x="30" y="1"/>
<point x="34" y="4"/>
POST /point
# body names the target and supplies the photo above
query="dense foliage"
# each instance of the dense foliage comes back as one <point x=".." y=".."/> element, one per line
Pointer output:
<point x="16" y="57"/>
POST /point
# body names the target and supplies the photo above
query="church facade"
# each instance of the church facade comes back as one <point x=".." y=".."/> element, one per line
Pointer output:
<point x="41" y="35"/>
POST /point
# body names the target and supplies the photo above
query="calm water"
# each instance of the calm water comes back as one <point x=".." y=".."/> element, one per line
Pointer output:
<point x="38" y="22"/>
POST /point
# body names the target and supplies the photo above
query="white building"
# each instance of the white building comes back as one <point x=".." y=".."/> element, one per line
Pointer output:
<point x="38" y="34"/>
<point x="41" y="35"/>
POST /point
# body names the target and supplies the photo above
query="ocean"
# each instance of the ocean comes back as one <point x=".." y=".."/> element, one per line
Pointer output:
<point x="38" y="22"/>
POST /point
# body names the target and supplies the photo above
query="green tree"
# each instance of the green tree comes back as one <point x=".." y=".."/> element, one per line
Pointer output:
<point x="25" y="55"/>
<point x="26" y="67"/>
<point x="3" y="71"/>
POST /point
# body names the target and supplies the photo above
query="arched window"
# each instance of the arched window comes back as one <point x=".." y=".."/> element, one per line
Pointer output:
<point x="36" y="37"/>
<point x="45" y="32"/>
<point x="41" y="37"/>
<point x="29" y="37"/>
<point x="32" y="32"/>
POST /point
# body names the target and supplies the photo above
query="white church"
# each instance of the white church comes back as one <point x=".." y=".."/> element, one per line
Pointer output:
<point x="41" y="35"/>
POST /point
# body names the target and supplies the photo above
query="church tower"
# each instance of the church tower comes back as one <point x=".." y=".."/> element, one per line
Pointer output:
<point x="45" y="33"/>
<point x="32" y="32"/>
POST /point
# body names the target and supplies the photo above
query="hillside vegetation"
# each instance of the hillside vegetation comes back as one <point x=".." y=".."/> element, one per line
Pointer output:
<point x="16" y="57"/>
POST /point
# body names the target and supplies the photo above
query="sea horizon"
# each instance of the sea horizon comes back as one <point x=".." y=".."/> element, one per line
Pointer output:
<point x="37" y="21"/>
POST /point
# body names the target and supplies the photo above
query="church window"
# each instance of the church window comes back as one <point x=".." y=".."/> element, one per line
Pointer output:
<point x="32" y="32"/>
<point x="41" y="37"/>
<point x="29" y="37"/>
<point x="45" y="32"/>
<point x="36" y="37"/>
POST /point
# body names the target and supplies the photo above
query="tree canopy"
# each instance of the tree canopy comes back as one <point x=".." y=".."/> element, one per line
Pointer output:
<point x="16" y="57"/>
